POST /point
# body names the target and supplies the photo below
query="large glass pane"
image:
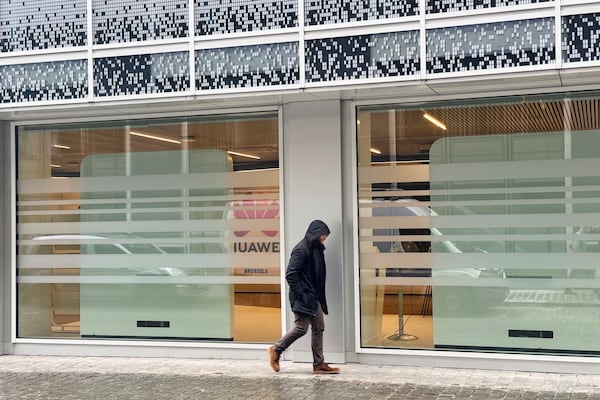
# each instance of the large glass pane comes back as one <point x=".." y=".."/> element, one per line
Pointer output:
<point x="150" y="229"/>
<point x="501" y="201"/>
<point x="393" y="198"/>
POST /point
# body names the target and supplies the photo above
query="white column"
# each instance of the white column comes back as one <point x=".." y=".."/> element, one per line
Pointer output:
<point x="312" y="178"/>
<point x="5" y="226"/>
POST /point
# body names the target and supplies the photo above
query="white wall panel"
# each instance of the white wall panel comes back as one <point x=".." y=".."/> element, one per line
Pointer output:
<point x="313" y="190"/>
<point x="5" y="281"/>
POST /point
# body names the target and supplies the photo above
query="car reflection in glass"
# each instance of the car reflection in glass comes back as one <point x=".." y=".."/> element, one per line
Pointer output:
<point x="450" y="298"/>
<point x="118" y="244"/>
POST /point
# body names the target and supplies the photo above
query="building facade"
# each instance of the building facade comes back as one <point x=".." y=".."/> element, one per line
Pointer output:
<point x="160" y="160"/>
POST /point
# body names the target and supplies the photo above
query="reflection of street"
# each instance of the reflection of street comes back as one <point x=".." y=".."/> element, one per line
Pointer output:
<point x="553" y="297"/>
<point x="570" y="320"/>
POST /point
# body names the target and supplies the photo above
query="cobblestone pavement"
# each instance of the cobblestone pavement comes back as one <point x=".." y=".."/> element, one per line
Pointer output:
<point x="46" y="377"/>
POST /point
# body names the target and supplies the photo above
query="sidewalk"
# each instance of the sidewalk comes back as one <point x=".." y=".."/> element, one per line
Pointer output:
<point x="49" y="377"/>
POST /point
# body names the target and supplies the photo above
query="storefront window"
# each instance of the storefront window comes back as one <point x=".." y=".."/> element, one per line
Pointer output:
<point x="478" y="226"/>
<point x="163" y="229"/>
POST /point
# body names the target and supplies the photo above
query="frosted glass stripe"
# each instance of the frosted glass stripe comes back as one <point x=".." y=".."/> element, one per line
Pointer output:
<point x="514" y="170"/>
<point x="557" y="284"/>
<point x="529" y="260"/>
<point x="481" y="237"/>
<point x="558" y="190"/>
<point x="391" y="204"/>
<point x="160" y="280"/>
<point x="514" y="202"/>
<point x="183" y="261"/>
<point x="266" y="193"/>
<point x="166" y="240"/>
<point x="512" y="220"/>
<point x="124" y="183"/>
<point x="395" y="260"/>
<point x="226" y="224"/>
<point x="395" y="222"/>
<point x="376" y="281"/>
<point x="513" y="283"/>
<point x="129" y="210"/>
<point x="391" y="193"/>
<point x="475" y="202"/>
<point x="519" y="190"/>
<point x="197" y="225"/>
<point x="137" y="209"/>
<point x="206" y="180"/>
<point x="399" y="238"/>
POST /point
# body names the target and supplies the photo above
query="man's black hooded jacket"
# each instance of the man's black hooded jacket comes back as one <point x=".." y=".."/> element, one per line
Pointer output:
<point x="306" y="271"/>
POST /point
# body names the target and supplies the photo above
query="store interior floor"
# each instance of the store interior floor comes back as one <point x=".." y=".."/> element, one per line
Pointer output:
<point x="417" y="328"/>
<point x="250" y="324"/>
<point x="263" y="325"/>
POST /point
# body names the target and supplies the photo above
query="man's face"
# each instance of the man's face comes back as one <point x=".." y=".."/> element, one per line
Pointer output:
<point x="322" y="238"/>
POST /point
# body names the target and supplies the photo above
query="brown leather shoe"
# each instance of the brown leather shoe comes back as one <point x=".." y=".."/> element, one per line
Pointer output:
<point x="274" y="358"/>
<point x="325" y="369"/>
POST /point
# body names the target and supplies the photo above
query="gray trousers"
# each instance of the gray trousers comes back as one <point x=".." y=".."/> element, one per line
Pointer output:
<point x="300" y="328"/>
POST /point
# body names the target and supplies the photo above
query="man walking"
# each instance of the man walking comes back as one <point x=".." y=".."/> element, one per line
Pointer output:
<point x="305" y="276"/>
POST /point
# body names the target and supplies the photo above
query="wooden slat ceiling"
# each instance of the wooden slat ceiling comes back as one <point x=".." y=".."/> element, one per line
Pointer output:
<point x="407" y="130"/>
<point x="414" y="134"/>
<point x="257" y="137"/>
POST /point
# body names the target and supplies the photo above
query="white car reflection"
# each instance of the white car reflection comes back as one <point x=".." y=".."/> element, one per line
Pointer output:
<point x="117" y="244"/>
<point x="453" y="297"/>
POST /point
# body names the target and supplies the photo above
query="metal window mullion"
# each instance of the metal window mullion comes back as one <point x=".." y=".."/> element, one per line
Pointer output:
<point x="568" y="155"/>
<point x="301" y="44"/>
<point x="558" y="35"/>
<point x="282" y="249"/>
<point x="13" y="231"/>
<point x="192" y="45"/>
<point x="90" y="52"/>
<point x="423" y="39"/>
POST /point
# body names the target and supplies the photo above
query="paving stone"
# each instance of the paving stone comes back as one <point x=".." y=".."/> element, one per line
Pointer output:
<point x="115" y="378"/>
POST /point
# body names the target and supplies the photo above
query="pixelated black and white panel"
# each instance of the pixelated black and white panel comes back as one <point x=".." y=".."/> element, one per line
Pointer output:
<point x="248" y="66"/>
<point x="493" y="45"/>
<point x="229" y="16"/>
<point x="58" y="80"/>
<point x="36" y="24"/>
<point x="440" y="6"/>
<point x="322" y="12"/>
<point x="136" y="20"/>
<point x="141" y="74"/>
<point x="581" y="37"/>
<point x="362" y="56"/>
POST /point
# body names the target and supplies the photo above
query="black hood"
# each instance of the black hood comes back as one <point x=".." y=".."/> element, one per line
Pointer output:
<point x="315" y="230"/>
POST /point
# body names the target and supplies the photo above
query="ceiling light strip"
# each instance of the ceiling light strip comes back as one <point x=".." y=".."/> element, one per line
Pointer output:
<point x="162" y="139"/>
<point x="435" y="121"/>
<point x="235" y="153"/>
